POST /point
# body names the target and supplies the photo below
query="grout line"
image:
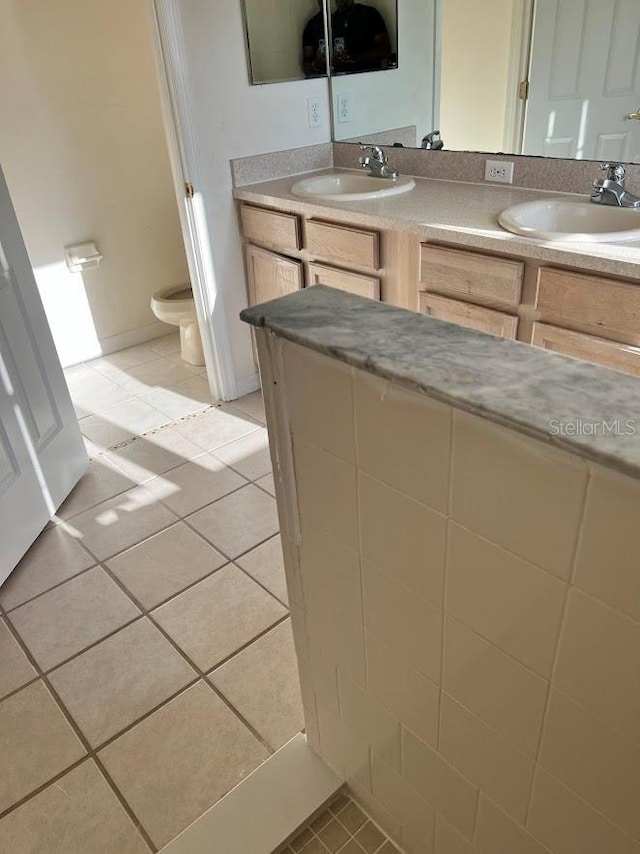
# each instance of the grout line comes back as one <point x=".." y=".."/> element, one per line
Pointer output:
<point x="556" y="652"/>
<point x="445" y="576"/>
<point x="89" y="752"/>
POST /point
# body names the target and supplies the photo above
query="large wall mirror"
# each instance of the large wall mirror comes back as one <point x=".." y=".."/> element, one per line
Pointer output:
<point x="554" y="78"/>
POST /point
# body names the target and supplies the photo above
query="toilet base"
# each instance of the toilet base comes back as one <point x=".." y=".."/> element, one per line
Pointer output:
<point x="191" y="343"/>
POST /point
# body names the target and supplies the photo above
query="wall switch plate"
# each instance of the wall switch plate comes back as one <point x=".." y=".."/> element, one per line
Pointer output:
<point x="500" y="171"/>
<point x="345" y="112"/>
<point x="314" y="111"/>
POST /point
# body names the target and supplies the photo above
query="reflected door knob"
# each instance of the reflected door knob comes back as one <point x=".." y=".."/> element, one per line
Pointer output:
<point x="634" y="116"/>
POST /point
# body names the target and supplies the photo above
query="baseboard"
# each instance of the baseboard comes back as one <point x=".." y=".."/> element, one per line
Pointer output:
<point x="266" y="808"/>
<point x="114" y="343"/>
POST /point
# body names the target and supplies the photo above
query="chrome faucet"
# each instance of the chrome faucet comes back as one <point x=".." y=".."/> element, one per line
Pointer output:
<point x="377" y="163"/>
<point x="611" y="190"/>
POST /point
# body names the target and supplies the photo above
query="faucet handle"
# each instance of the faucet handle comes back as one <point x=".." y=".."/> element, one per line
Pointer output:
<point x="615" y="172"/>
<point x="377" y="153"/>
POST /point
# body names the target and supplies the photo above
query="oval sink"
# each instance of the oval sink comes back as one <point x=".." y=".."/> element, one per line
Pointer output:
<point x="350" y="187"/>
<point x="574" y="221"/>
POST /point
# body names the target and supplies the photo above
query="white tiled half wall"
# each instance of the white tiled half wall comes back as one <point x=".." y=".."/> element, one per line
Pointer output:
<point x="466" y="611"/>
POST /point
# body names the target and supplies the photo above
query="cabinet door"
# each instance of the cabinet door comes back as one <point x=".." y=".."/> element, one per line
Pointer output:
<point x="273" y="229"/>
<point x="354" y="283"/>
<point x="270" y="275"/>
<point x="344" y="244"/>
<point x="622" y="357"/>
<point x="592" y="302"/>
<point x="471" y="316"/>
<point x="471" y="275"/>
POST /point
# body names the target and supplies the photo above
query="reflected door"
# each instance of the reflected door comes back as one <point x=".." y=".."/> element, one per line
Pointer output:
<point x="585" y="80"/>
<point x="42" y="455"/>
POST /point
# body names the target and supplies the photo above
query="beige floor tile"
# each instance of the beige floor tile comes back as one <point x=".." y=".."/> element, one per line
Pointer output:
<point x="15" y="669"/>
<point x="70" y="618"/>
<point x="123" y="359"/>
<point x="261" y="682"/>
<point x="266" y="565"/>
<point x="113" y="684"/>
<point x="195" y="484"/>
<point x="102" y="480"/>
<point x="238" y="522"/>
<point x="165" y="345"/>
<point x="165" y="564"/>
<point x="186" y="398"/>
<point x="183" y="758"/>
<point x="36" y="743"/>
<point x="92" y="392"/>
<point x="218" y="616"/>
<point x="216" y="427"/>
<point x="161" y="372"/>
<point x="267" y="484"/>
<point x="252" y="404"/>
<point x="121" y="522"/>
<point x="53" y="558"/>
<point x="248" y="455"/>
<point x="154" y="454"/>
<point x="79" y="814"/>
<point x="118" y="423"/>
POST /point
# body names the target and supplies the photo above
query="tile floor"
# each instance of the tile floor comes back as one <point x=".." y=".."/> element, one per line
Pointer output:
<point x="146" y="657"/>
<point x="343" y="828"/>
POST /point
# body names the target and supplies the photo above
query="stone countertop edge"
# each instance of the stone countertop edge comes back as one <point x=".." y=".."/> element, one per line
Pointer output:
<point x="452" y="212"/>
<point x="524" y="388"/>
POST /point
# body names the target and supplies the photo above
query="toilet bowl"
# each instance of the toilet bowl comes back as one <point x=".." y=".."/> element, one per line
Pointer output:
<point x="175" y="305"/>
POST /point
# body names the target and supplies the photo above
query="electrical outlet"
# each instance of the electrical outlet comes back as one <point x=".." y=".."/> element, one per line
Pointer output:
<point x="314" y="111"/>
<point x="500" y="171"/>
<point x="345" y="113"/>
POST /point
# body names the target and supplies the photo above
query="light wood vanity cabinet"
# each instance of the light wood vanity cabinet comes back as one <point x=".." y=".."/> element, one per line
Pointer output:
<point x="473" y="316"/>
<point x="588" y="316"/>
<point x="270" y="275"/>
<point x="284" y="254"/>
<point x="471" y="276"/>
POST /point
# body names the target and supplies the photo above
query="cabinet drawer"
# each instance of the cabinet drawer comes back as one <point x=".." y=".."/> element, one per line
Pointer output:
<point x="270" y="275"/>
<point x="354" y="283"/>
<point x="622" y="357"/>
<point x="472" y="316"/>
<point x="470" y="275"/>
<point x="273" y="229"/>
<point x="344" y="244"/>
<point x="589" y="301"/>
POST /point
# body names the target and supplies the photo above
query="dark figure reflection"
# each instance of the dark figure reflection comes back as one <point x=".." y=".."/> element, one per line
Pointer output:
<point x="360" y="40"/>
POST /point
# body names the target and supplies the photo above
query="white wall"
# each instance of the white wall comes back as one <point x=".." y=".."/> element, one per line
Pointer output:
<point x="476" y="56"/>
<point x="230" y="118"/>
<point x="83" y="149"/>
<point x="275" y="34"/>
<point x="398" y="98"/>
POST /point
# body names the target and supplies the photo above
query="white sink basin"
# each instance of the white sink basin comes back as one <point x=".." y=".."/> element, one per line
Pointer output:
<point x="350" y="187"/>
<point x="572" y="221"/>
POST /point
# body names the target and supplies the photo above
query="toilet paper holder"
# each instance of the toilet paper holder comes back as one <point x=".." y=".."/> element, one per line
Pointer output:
<point x="82" y="256"/>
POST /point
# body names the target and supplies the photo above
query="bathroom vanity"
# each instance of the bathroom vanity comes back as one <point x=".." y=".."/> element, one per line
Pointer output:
<point x="439" y="250"/>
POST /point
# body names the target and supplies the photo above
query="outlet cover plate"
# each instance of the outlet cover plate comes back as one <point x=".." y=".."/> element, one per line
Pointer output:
<point x="500" y="171"/>
<point x="314" y="111"/>
<point x="345" y="113"/>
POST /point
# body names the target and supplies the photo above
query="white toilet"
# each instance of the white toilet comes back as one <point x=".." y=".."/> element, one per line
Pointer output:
<point x="175" y="305"/>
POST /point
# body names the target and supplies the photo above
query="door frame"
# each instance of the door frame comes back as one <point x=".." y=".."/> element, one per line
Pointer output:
<point x="178" y="112"/>
<point x="519" y="70"/>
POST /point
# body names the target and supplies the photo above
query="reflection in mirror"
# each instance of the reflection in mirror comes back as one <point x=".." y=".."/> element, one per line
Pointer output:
<point x="557" y="78"/>
<point x="276" y="35"/>
<point x="364" y="36"/>
<point x="394" y="104"/>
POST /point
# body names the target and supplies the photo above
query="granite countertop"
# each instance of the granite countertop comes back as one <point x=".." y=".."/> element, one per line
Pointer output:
<point x="525" y="388"/>
<point x="453" y="212"/>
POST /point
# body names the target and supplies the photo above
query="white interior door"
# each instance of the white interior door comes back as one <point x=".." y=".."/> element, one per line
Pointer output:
<point x="42" y="455"/>
<point x="584" y="80"/>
